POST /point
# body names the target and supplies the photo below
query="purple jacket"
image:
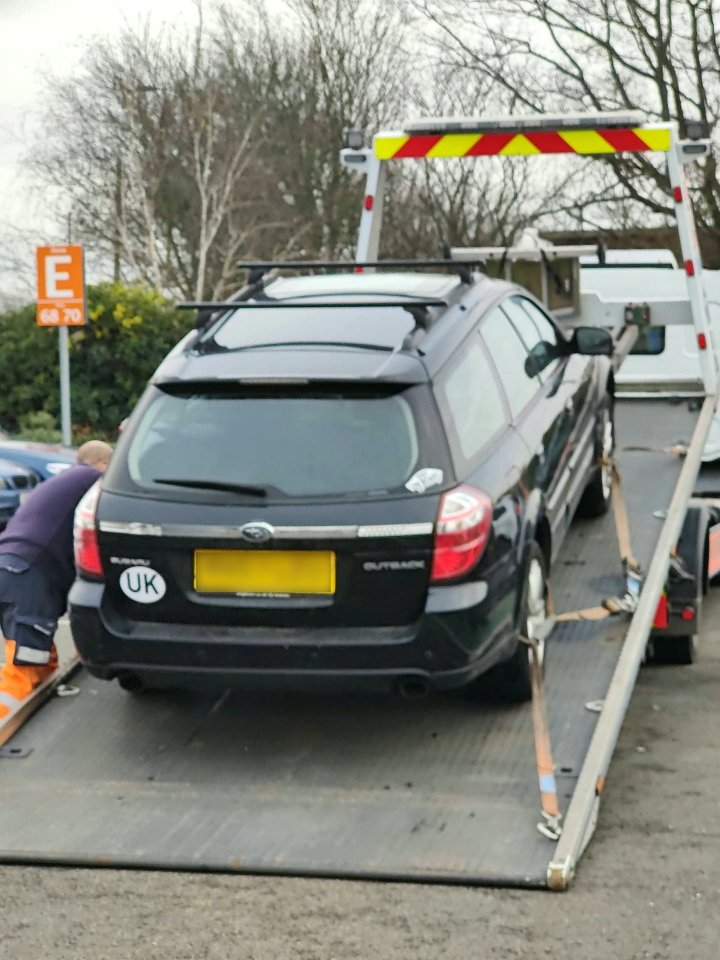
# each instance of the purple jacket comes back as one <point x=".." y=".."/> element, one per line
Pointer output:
<point x="41" y="531"/>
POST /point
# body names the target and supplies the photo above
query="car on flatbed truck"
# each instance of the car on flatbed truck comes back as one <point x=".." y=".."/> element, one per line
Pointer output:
<point x="348" y="480"/>
<point x="280" y="788"/>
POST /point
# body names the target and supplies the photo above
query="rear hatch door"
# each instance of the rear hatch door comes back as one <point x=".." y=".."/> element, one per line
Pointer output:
<point x="275" y="506"/>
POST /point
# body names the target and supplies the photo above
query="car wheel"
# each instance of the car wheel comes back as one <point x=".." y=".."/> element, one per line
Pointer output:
<point x="597" y="495"/>
<point x="511" y="681"/>
<point x="681" y="651"/>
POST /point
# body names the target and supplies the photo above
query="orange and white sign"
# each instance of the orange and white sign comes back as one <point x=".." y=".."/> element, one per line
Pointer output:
<point x="60" y="286"/>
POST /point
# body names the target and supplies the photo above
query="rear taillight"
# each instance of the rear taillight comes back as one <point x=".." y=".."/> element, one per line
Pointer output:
<point x="461" y="532"/>
<point x="87" y="551"/>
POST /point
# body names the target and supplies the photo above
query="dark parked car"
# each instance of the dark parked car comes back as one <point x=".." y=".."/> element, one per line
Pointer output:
<point x="16" y="483"/>
<point x="361" y="488"/>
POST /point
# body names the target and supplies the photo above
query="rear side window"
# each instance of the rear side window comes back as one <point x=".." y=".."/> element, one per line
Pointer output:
<point x="510" y="358"/>
<point x="471" y="401"/>
<point x="322" y="443"/>
<point x="545" y="326"/>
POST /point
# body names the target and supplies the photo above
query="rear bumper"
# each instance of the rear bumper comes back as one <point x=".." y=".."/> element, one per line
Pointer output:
<point x="416" y="682"/>
<point x="443" y="650"/>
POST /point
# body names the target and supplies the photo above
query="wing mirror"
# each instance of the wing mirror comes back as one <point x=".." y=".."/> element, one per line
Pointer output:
<point x="593" y="341"/>
<point x="541" y="355"/>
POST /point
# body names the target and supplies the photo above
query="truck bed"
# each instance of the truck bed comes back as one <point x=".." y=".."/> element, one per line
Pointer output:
<point x="438" y="789"/>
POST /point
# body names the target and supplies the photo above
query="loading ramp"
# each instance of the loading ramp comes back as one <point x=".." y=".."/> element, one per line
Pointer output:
<point x="436" y="789"/>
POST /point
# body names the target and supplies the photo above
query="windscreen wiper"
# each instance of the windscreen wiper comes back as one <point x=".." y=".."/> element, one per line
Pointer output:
<point x="279" y="344"/>
<point x="253" y="491"/>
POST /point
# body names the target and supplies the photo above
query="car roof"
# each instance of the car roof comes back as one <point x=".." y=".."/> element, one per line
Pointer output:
<point x="367" y="336"/>
<point x="53" y="451"/>
<point x="379" y="284"/>
<point x="10" y="466"/>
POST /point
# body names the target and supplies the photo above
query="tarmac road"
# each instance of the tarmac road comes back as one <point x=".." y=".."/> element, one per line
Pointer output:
<point x="647" y="888"/>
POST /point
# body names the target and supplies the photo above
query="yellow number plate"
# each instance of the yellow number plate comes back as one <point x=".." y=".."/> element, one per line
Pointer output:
<point x="265" y="571"/>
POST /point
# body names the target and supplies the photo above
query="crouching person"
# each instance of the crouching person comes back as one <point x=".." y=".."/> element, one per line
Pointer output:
<point x="37" y="569"/>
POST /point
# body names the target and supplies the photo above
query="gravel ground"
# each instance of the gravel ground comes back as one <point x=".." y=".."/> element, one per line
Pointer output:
<point x="646" y="888"/>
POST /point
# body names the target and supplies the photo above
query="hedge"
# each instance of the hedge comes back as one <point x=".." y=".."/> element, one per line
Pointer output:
<point x="129" y="330"/>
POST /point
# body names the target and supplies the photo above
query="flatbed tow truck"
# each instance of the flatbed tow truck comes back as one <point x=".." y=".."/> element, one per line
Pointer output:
<point x="438" y="789"/>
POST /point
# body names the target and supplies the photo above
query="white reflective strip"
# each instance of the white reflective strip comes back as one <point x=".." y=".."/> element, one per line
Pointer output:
<point x="396" y="530"/>
<point x="134" y="528"/>
<point x="199" y="530"/>
<point x="9" y="701"/>
<point x="31" y="655"/>
<point x="195" y="530"/>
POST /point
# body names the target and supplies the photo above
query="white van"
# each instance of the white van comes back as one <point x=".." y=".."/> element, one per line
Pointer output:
<point x="664" y="360"/>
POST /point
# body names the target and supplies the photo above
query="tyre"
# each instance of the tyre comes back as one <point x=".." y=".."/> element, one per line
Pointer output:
<point x="597" y="496"/>
<point x="511" y="680"/>
<point x="681" y="651"/>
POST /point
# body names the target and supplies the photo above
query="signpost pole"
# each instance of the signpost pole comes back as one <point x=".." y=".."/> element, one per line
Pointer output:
<point x="64" y="351"/>
<point x="61" y="304"/>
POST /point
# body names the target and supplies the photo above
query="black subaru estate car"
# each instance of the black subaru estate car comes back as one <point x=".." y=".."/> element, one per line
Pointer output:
<point x="346" y="480"/>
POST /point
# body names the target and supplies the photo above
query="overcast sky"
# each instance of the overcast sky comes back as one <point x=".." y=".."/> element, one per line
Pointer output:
<point x="38" y="37"/>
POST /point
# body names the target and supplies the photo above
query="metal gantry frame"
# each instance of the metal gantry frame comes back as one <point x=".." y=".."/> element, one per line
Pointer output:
<point x="586" y="135"/>
<point x="539" y="135"/>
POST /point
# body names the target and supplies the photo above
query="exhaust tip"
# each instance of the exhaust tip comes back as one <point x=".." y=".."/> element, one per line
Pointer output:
<point x="413" y="688"/>
<point x="131" y="683"/>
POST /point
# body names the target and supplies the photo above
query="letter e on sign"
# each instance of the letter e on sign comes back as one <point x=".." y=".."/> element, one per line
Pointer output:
<point x="60" y="286"/>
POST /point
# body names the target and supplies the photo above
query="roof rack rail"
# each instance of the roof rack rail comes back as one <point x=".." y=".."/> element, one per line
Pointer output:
<point x="259" y="268"/>
<point x="414" y="305"/>
<point x="206" y="313"/>
<point x="417" y="307"/>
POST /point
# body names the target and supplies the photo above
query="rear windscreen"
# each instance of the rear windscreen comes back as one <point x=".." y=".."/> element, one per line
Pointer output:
<point x="378" y="325"/>
<point x="314" y="444"/>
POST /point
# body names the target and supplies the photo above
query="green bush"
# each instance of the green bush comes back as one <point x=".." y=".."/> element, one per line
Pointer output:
<point x="129" y="330"/>
<point x="39" y="425"/>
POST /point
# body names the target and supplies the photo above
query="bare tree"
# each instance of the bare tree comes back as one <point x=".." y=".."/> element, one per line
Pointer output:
<point x="658" y="56"/>
<point x="471" y="202"/>
<point x="331" y="64"/>
<point x="157" y="157"/>
<point x="180" y="153"/>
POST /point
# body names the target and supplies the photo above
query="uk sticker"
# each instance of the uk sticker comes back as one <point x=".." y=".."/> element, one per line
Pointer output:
<point x="142" y="584"/>
<point x="424" y="479"/>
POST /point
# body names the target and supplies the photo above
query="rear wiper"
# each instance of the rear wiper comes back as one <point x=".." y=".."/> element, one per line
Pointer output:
<point x="217" y="485"/>
<point x="279" y="344"/>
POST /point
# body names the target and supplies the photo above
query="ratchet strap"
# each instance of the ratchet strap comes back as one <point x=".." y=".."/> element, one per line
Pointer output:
<point x="612" y="606"/>
<point x="678" y="450"/>
<point x="550" y="825"/>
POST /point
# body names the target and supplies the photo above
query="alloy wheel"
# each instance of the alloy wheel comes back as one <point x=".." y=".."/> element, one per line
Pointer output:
<point x="536" y="607"/>
<point x="608" y="444"/>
